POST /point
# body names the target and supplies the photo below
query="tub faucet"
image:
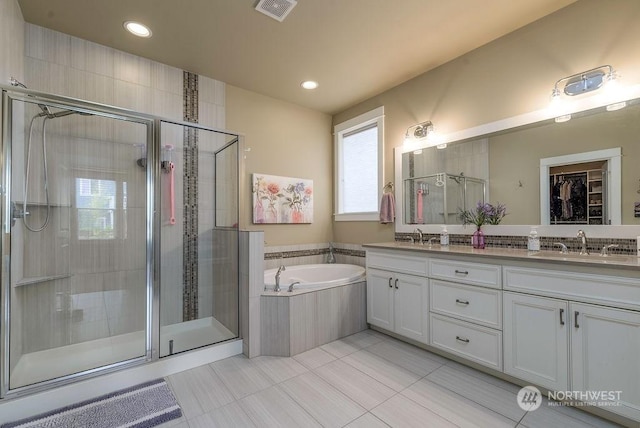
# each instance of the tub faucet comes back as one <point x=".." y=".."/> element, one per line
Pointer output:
<point x="420" y="236"/>
<point x="292" y="284"/>
<point x="280" y="269"/>
<point x="331" y="258"/>
<point x="583" y="239"/>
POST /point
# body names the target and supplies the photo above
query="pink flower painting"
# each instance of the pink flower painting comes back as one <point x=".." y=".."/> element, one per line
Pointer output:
<point x="282" y="199"/>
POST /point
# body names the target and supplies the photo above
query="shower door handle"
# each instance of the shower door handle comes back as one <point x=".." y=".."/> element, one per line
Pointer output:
<point x="17" y="213"/>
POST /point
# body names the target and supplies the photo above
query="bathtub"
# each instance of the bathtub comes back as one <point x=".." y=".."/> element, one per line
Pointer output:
<point x="329" y="303"/>
<point x="314" y="277"/>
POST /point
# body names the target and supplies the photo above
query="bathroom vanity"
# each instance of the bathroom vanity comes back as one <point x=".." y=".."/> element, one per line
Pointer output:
<point x="562" y="322"/>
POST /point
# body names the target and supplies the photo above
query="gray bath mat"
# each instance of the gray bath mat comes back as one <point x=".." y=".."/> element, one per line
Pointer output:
<point x="145" y="405"/>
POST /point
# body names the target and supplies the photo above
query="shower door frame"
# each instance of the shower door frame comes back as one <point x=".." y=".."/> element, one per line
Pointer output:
<point x="9" y="94"/>
<point x="153" y="227"/>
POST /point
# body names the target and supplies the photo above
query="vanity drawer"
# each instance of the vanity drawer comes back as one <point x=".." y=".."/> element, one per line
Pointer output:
<point x="467" y="302"/>
<point x="617" y="291"/>
<point x="469" y="273"/>
<point x="397" y="262"/>
<point x="473" y="342"/>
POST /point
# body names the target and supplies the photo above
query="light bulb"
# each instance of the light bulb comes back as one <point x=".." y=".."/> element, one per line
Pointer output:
<point x="563" y="118"/>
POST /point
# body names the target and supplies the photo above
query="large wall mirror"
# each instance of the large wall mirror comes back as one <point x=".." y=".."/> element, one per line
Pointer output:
<point x="514" y="163"/>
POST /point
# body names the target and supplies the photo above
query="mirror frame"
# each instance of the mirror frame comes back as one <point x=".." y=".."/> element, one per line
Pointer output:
<point x="527" y="119"/>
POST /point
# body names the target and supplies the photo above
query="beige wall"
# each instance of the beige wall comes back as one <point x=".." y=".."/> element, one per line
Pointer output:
<point x="290" y="141"/>
<point x="507" y="77"/>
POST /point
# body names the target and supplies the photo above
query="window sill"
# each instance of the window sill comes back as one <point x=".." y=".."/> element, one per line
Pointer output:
<point x="357" y="217"/>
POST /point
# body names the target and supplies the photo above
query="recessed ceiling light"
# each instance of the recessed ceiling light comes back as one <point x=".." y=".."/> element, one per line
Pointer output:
<point x="309" y="84"/>
<point x="137" y="29"/>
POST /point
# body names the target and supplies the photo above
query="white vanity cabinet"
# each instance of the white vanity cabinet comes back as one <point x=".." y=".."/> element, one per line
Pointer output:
<point x="397" y="294"/>
<point x="536" y="340"/>
<point x="567" y="344"/>
<point x="605" y="354"/>
<point x="570" y="328"/>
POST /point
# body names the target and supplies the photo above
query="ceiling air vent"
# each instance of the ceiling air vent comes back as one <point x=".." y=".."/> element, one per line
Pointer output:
<point x="276" y="9"/>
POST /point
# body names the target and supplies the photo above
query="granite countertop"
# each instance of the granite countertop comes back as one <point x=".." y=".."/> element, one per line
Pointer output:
<point x="593" y="260"/>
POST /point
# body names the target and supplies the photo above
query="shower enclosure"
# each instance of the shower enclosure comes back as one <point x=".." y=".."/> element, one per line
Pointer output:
<point x="120" y="239"/>
<point x="439" y="198"/>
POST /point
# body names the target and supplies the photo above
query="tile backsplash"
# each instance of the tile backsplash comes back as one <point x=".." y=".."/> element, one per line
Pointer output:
<point x="625" y="246"/>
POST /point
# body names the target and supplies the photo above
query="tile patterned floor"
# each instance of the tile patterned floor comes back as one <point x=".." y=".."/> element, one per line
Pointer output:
<point x="366" y="380"/>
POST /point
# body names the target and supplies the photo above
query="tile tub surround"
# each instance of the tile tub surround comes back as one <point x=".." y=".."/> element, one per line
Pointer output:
<point x="625" y="246"/>
<point x="292" y="324"/>
<point x="312" y="254"/>
<point x="365" y="380"/>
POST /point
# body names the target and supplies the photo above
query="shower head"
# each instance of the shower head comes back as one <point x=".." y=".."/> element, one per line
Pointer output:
<point x="45" y="109"/>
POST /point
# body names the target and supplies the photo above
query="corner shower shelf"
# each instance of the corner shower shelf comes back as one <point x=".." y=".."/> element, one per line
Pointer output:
<point x="39" y="279"/>
<point x="43" y="204"/>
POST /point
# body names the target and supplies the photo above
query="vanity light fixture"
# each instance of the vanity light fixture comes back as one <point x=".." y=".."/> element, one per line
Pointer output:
<point x="423" y="130"/>
<point x="583" y="82"/>
<point x="137" y="29"/>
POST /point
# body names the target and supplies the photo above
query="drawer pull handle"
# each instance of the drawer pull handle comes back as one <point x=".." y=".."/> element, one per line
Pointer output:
<point x="462" y="302"/>
<point x="461" y="272"/>
<point x="561" y="316"/>
<point x="575" y="319"/>
<point x="396" y="283"/>
<point x="462" y="339"/>
<point x="390" y="286"/>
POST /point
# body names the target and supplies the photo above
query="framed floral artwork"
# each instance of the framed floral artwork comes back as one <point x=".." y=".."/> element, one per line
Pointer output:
<point x="278" y="200"/>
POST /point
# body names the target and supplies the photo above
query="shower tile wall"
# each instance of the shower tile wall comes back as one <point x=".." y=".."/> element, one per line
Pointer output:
<point x="61" y="64"/>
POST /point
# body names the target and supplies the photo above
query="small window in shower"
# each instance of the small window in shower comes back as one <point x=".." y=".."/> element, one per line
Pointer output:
<point x="96" y="201"/>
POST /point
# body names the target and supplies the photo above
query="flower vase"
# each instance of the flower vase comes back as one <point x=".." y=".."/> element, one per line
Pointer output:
<point x="297" y="216"/>
<point x="272" y="215"/>
<point x="258" y="211"/>
<point x="477" y="239"/>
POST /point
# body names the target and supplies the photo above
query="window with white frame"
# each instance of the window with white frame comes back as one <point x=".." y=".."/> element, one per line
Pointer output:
<point x="359" y="162"/>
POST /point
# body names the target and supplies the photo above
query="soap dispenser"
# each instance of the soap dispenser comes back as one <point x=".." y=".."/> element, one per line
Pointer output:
<point x="444" y="237"/>
<point x="533" y="243"/>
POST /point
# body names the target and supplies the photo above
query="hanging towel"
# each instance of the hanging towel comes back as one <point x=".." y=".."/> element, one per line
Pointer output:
<point x="387" y="208"/>
<point x="419" y="218"/>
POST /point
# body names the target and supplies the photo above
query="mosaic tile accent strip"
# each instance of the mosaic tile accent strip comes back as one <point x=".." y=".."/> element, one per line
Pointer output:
<point x="190" y="199"/>
<point x="594" y="245"/>
<point x="314" y="252"/>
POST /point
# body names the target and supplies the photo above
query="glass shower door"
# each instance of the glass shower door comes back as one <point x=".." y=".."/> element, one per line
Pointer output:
<point x="198" y="237"/>
<point x="76" y="223"/>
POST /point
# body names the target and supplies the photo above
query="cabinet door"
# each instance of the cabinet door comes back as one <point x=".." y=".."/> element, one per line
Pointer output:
<point x="605" y="345"/>
<point x="536" y="340"/>
<point x="411" y="306"/>
<point x="380" y="298"/>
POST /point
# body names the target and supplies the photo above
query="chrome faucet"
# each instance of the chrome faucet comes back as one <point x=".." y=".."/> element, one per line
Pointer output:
<point x="606" y="248"/>
<point x="431" y="241"/>
<point x="563" y="248"/>
<point x="420" y="236"/>
<point x="331" y="258"/>
<point x="583" y="239"/>
<point x="292" y="284"/>
<point x="280" y="269"/>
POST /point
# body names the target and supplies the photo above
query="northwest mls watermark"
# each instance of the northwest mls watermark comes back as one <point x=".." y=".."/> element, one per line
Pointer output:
<point x="530" y="398"/>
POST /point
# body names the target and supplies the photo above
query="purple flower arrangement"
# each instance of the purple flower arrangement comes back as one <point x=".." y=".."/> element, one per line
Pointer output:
<point x="484" y="213"/>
